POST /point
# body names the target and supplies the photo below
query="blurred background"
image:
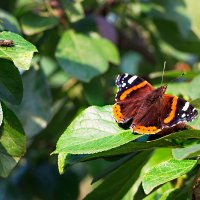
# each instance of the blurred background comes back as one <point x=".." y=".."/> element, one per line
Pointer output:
<point x="103" y="38"/>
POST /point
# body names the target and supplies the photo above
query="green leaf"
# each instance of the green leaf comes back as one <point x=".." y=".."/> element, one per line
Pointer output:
<point x="8" y="22"/>
<point x="167" y="195"/>
<point x="168" y="28"/>
<point x="170" y="52"/>
<point x="94" y="130"/>
<point x="112" y="167"/>
<point x="48" y="65"/>
<point x="7" y="164"/>
<point x="193" y="13"/>
<point x="166" y="141"/>
<point x="1" y="115"/>
<point x="173" y="74"/>
<point x="118" y="183"/>
<point x="12" y="142"/>
<point x="159" y="193"/>
<point x="65" y="160"/>
<point x="61" y="162"/>
<point x="159" y="155"/>
<point x="108" y="49"/>
<point x="73" y="10"/>
<point x="12" y="134"/>
<point x="35" y="108"/>
<point x="129" y="195"/>
<point x="187" y="152"/>
<point x="179" y="89"/>
<point x="166" y="171"/>
<point x="79" y="56"/>
<point x="33" y="24"/>
<point x="178" y="23"/>
<point x="56" y="76"/>
<point x="196" y="103"/>
<point x="173" y="11"/>
<point x="21" y="53"/>
<point x="11" y="88"/>
<point x="194" y="92"/>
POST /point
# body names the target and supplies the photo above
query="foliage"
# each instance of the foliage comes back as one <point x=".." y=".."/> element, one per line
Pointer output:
<point x="57" y="89"/>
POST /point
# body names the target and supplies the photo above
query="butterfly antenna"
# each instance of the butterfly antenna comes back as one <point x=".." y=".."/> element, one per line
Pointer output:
<point x="177" y="77"/>
<point x="163" y="72"/>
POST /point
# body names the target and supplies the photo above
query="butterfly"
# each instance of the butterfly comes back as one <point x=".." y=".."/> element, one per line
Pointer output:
<point x="150" y="110"/>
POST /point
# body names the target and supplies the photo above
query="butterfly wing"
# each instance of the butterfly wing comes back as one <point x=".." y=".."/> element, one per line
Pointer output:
<point x="176" y="110"/>
<point x="148" y="118"/>
<point x="130" y="96"/>
<point x="166" y="114"/>
<point x="152" y="110"/>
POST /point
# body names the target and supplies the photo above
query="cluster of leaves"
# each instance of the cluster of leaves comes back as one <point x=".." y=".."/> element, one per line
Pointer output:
<point x="82" y="46"/>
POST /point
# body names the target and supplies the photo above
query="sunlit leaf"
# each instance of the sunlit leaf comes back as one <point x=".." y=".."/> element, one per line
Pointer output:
<point x="94" y="130"/>
<point x="187" y="152"/>
<point x="73" y="9"/>
<point x="108" y="49"/>
<point x="166" y="141"/>
<point x="79" y="56"/>
<point x="21" y="53"/>
<point x="159" y="155"/>
<point x="12" y="142"/>
<point x="165" y="172"/>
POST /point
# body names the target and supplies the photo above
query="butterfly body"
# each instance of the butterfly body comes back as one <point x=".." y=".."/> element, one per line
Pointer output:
<point x="150" y="110"/>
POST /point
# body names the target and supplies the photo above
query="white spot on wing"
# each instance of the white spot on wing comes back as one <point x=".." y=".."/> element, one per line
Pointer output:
<point x="185" y="107"/>
<point x="130" y="80"/>
<point x="183" y="115"/>
<point x="125" y="75"/>
<point x="124" y="84"/>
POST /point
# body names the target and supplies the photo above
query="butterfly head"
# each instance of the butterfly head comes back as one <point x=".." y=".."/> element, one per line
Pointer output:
<point x="163" y="88"/>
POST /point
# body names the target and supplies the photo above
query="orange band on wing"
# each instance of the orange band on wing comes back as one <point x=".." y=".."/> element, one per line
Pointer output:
<point x="126" y="92"/>
<point x="146" y="130"/>
<point x="117" y="113"/>
<point x="173" y="111"/>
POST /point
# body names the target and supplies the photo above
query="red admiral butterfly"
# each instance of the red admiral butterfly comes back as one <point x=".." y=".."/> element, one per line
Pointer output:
<point x="151" y="110"/>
